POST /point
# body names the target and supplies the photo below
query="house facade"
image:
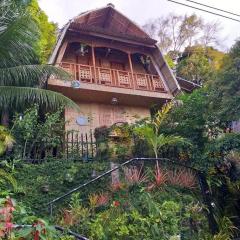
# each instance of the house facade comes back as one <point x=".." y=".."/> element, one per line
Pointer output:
<point x="118" y="71"/>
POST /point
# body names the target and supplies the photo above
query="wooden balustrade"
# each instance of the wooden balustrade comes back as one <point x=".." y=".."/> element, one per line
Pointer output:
<point x="114" y="77"/>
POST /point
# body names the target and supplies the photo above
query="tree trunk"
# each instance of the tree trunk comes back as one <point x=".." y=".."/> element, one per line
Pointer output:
<point x="115" y="174"/>
<point x="5" y="117"/>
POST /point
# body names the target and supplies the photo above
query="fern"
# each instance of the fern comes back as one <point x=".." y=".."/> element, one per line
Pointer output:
<point x="6" y="178"/>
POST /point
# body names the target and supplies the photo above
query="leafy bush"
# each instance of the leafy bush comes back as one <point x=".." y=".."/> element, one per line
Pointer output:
<point x="43" y="182"/>
<point x="6" y="140"/>
<point x="34" y="135"/>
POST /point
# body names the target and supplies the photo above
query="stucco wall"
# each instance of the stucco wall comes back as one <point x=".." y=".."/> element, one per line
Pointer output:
<point x="102" y="115"/>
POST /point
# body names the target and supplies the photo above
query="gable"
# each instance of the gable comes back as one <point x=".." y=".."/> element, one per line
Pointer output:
<point x="109" y="20"/>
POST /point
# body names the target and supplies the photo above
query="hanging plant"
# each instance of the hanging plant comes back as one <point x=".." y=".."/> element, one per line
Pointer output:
<point x="82" y="50"/>
<point x="145" y="60"/>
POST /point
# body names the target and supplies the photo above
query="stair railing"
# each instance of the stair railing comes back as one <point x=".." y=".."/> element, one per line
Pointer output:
<point x="50" y="205"/>
<point x="204" y="188"/>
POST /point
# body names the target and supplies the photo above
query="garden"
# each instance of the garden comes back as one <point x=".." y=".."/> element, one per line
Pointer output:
<point x="172" y="176"/>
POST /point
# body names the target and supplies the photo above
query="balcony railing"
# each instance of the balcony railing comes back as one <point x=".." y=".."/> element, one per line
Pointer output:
<point x="113" y="77"/>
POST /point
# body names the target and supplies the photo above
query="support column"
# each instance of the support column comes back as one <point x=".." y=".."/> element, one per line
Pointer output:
<point x="61" y="53"/>
<point x="131" y="69"/>
<point x="94" y="64"/>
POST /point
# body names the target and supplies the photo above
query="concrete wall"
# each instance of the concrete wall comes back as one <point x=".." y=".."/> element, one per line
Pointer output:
<point x="98" y="115"/>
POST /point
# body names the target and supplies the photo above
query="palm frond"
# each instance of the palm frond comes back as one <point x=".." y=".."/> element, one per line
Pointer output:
<point x="18" y="32"/>
<point x="8" y="178"/>
<point x="30" y="75"/>
<point x="161" y="115"/>
<point x="16" y="96"/>
<point x="171" y="140"/>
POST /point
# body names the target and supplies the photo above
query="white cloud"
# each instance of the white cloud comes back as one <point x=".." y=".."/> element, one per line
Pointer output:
<point x="140" y="11"/>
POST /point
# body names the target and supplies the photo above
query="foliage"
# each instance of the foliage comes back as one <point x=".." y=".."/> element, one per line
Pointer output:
<point x="199" y="64"/>
<point x="227" y="230"/>
<point x="8" y="183"/>
<point x="48" y="31"/>
<point x="21" y="79"/>
<point x="34" y="135"/>
<point x="195" y="68"/>
<point x="225" y="89"/>
<point x="191" y="118"/>
<point x="218" y="149"/>
<point x="182" y="178"/>
<point x="57" y="176"/>
<point x="6" y="140"/>
<point x="133" y="175"/>
<point x="169" y="61"/>
<point x="12" y="214"/>
<point x="115" y="142"/>
<point x="15" y="221"/>
<point x="151" y="132"/>
<point x="136" y="214"/>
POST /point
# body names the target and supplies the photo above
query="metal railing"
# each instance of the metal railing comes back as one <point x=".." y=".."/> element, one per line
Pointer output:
<point x="204" y="188"/>
<point x="50" y="204"/>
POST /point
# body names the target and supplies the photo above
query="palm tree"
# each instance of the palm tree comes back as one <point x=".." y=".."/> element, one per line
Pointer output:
<point x="22" y="79"/>
<point x="151" y="132"/>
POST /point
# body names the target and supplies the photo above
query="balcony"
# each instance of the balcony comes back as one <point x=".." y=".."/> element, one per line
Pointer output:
<point x="114" y="78"/>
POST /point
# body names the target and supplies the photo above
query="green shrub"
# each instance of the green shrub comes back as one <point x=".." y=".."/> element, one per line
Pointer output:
<point x="42" y="183"/>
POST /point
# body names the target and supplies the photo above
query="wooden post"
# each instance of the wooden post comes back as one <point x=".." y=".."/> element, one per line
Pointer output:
<point x="94" y="65"/>
<point x="131" y="68"/>
<point x="61" y="53"/>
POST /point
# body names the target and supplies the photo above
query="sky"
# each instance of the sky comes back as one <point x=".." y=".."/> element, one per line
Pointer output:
<point x="140" y="11"/>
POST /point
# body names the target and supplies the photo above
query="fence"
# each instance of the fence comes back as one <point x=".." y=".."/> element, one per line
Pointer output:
<point x="80" y="146"/>
<point x="70" y="145"/>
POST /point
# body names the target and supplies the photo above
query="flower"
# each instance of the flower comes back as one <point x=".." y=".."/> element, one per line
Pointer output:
<point x="116" y="203"/>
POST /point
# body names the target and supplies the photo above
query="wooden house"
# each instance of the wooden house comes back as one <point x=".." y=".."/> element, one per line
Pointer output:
<point x="118" y="71"/>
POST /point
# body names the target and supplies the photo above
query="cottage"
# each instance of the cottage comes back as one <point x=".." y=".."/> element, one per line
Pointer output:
<point x="118" y="71"/>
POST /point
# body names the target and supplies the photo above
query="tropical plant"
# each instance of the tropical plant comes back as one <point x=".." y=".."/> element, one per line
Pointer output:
<point x="22" y="79"/>
<point x="227" y="230"/>
<point x="160" y="178"/>
<point x="102" y="200"/>
<point x="34" y="135"/>
<point x="181" y="177"/>
<point x="133" y="175"/>
<point x="6" y="140"/>
<point x="151" y="131"/>
<point x="7" y="180"/>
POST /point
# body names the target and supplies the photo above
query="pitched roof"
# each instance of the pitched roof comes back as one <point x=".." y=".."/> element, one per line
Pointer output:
<point x="111" y="21"/>
<point x="187" y="86"/>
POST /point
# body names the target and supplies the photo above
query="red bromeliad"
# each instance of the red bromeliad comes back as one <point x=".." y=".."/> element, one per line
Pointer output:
<point x="102" y="200"/>
<point x="182" y="178"/>
<point x="133" y="175"/>
<point x="116" y="186"/>
<point x="160" y="178"/>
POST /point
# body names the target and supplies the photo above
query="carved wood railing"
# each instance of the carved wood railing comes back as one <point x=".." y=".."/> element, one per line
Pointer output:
<point x="114" y="77"/>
